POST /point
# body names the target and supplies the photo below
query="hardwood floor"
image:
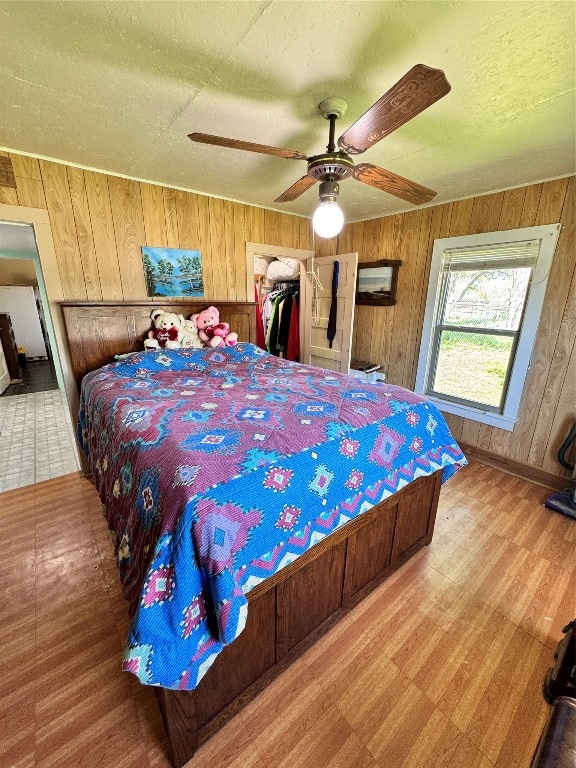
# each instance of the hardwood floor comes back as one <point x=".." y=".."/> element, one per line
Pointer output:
<point x="441" y="665"/>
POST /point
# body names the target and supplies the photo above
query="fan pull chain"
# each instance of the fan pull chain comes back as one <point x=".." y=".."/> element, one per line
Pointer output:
<point x="316" y="286"/>
<point x="316" y="283"/>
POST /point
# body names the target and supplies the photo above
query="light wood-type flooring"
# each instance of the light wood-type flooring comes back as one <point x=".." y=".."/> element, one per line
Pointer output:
<point x="441" y="665"/>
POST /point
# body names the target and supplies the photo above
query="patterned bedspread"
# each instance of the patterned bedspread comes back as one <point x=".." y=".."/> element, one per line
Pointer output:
<point x="217" y="468"/>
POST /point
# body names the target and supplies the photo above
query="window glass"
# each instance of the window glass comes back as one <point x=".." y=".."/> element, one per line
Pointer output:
<point x="473" y="367"/>
<point x="483" y="307"/>
<point x="486" y="298"/>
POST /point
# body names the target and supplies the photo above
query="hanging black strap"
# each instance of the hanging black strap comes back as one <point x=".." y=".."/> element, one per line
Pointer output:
<point x="331" y="330"/>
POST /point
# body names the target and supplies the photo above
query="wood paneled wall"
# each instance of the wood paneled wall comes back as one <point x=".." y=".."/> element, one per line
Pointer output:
<point x="99" y="223"/>
<point x="391" y="335"/>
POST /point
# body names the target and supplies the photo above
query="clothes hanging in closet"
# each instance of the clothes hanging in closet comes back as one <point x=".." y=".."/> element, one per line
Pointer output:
<point x="293" y="348"/>
<point x="260" y="336"/>
<point x="280" y="321"/>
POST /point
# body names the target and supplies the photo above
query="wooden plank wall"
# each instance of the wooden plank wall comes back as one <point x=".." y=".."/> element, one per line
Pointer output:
<point x="391" y="335"/>
<point x="99" y="223"/>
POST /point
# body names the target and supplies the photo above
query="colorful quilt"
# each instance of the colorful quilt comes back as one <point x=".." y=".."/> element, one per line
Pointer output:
<point x="217" y="468"/>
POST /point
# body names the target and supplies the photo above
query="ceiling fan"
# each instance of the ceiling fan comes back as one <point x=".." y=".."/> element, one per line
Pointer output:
<point x="412" y="94"/>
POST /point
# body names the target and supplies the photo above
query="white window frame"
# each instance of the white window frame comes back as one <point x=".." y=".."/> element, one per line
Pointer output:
<point x="548" y="236"/>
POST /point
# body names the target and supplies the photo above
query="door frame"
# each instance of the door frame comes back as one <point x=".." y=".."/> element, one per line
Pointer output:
<point x="262" y="249"/>
<point x="51" y="292"/>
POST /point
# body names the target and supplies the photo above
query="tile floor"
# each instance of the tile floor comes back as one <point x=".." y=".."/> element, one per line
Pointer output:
<point x="36" y="439"/>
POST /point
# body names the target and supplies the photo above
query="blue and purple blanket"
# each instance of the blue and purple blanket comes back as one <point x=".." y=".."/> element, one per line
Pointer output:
<point x="217" y="468"/>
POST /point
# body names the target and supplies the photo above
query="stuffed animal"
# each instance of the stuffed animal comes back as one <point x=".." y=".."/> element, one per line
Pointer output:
<point x="220" y="336"/>
<point x="208" y="318"/>
<point x="211" y="331"/>
<point x="167" y="331"/>
<point x="190" y="338"/>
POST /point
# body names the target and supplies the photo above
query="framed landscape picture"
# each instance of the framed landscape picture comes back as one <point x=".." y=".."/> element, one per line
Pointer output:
<point x="172" y="272"/>
<point x="377" y="281"/>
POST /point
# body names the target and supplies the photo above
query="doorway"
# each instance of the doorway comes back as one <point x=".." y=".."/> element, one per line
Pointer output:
<point x="318" y="294"/>
<point x="37" y="436"/>
<point x="23" y="320"/>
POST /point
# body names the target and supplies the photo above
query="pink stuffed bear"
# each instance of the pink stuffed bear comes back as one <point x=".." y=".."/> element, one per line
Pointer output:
<point x="211" y="331"/>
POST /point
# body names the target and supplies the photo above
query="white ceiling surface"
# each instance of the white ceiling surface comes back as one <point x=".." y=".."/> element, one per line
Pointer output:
<point x="117" y="86"/>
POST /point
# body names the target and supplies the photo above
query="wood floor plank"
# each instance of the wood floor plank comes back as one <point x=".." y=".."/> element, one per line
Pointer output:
<point x="495" y="712"/>
<point x="275" y="722"/>
<point x="331" y="743"/>
<point x="18" y="736"/>
<point x="467" y="755"/>
<point x="528" y="720"/>
<point x="436" y="744"/>
<point x="451" y="648"/>
<point x="396" y="735"/>
<point x="464" y="688"/>
<point x="233" y="747"/>
<point x="441" y="666"/>
<point x="448" y="556"/>
<point x="108" y="737"/>
<point x="551" y="606"/>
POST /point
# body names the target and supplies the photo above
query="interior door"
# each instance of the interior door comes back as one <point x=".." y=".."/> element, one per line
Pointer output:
<point x="4" y="375"/>
<point x="317" y="302"/>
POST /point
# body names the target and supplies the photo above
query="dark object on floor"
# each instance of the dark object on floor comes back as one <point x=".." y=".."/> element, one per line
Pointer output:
<point x="364" y="366"/>
<point x="8" y="343"/>
<point x="557" y="745"/>
<point x="565" y="501"/>
<point x="565" y="447"/>
<point x="560" y="680"/>
<point x="38" y="376"/>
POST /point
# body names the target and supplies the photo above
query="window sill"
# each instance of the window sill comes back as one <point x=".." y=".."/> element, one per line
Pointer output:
<point x="475" y="414"/>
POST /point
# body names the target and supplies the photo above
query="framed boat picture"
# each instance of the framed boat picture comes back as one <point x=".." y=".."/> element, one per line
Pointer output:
<point x="377" y="281"/>
<point x="172" y="272"/>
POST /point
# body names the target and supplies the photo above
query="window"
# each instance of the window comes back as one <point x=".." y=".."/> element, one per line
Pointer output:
<point x="484" y="301"/>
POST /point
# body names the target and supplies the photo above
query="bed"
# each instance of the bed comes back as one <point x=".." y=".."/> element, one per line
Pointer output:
<point x="254" y="501"/>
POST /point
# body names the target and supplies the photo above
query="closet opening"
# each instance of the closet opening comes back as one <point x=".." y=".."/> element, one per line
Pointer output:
<point x="325" y="288"/>
<point x="274" y="281"/>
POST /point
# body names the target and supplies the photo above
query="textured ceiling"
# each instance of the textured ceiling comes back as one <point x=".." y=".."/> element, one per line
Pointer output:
<point x="117" y="86"/>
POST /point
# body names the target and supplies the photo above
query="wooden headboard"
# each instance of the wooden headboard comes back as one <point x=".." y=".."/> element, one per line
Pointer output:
<point x="98" y="330"/>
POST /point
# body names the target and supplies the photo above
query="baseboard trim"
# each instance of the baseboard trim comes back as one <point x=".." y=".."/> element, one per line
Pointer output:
<point x="525" y="471"/>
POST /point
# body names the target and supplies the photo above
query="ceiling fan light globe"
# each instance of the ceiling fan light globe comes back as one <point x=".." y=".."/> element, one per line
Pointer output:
<point x="328" y="219"/>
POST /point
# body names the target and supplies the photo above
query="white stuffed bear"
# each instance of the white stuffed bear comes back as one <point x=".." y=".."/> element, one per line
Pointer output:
<point x="190" y="338"/>
<point x="167" y="333"/>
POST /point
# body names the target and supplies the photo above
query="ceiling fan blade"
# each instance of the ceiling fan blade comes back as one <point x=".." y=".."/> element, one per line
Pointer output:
<point x="220" y="141"/>
<point x="296" y="189"/>
<point x="417" y="90"/>
<point x="393" y="184"/>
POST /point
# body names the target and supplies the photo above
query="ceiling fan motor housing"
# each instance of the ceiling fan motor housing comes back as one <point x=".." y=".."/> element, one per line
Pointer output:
<point x="329" y="191"/>
<point x="330" y="166"/>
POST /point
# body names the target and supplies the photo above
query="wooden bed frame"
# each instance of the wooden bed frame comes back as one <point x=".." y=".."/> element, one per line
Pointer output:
<point x="294" y="607"/>
<point x="98" y="330"/>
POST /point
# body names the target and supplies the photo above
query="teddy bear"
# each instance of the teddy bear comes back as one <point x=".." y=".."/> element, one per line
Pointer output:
<point x="167" y="333"/>
<point x="207" y="318"/>
<point x="190" y="338"/>
<point x="220" y="336"/>
<point x="211" y="331"/>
